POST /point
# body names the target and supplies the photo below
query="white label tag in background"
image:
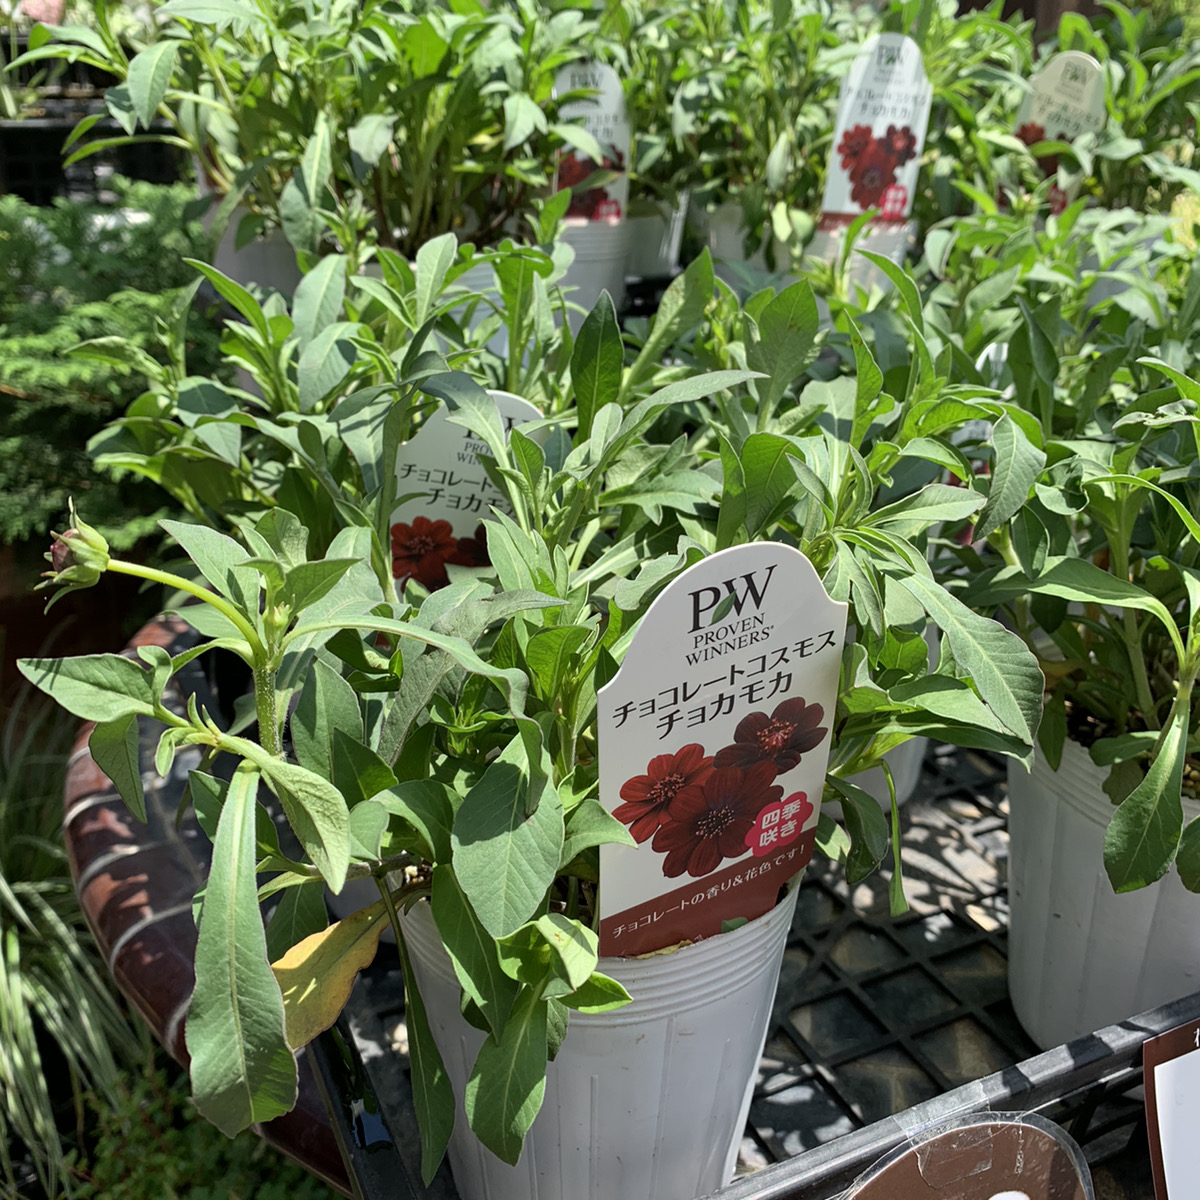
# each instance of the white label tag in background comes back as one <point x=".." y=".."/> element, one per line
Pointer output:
<point x="883" y="113"/>
<point x="444" y="523"/>
<point x="1065" y="99"/>
<point x="714" y="738"/>
<point x="606" y="118"/>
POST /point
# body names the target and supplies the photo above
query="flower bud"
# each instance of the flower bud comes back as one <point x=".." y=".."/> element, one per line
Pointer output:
<point x="79" y="556"/>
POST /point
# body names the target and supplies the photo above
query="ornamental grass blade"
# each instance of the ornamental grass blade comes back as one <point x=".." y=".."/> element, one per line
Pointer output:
<point x="242" y="1068"/>
<point x="317" y="974"/>
<point x="1143" y="835"/>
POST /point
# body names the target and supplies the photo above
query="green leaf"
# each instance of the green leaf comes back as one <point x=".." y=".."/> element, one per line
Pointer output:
<point x="114" y="747"/>
<point x="596" y="363"/>
<point x="508" y="1082"/>
<point x="867" y="826"/>
<point x="327" y="702"/>
<point x="93" y="687"/>
<point x="589" y="824"/>
<point x="769" y="476"/>
<point x="368" y="140"/>
<point x="301" y="911"/>
<point x="237" y="295"/>
<point x="1188" y="858"/>
<point x="917" y="513"/>
<point x="319" y="296"/>
<point x="1083" y="581"/>
<point x="505" y="860"/>
<point x="434" y="259"/>
<point x="149" y="77"/>
<point x="598" y="994"/>
<point x="1143" y="835"/>
<point x="325" y="362"/>
<point x="433" y="1096"/>
<point x="315" y="810"/>
<point x="787" y="339"/>
<point x="552" y="656"/>
<point x="217" y="13"/>
<point x="1018" y="463"/>
<point x="1005" y="673"/>
<point x="242" y="1068"/>
<point x="214" y="554"/>
<point x="472" y="950"/>
<point x="428" y="806"/>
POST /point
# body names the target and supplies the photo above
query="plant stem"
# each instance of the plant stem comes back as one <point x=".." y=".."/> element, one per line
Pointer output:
<point x="167" y="579"/>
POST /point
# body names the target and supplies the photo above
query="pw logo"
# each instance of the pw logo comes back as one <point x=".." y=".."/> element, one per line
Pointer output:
<point x="737" y="593"/>
<point x="887" y="56"/>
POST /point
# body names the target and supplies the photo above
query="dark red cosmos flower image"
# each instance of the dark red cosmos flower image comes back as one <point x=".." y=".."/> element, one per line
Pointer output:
<point x="573" y="169"/>
<point x="708" y="824"/>
<point x="854" y="142"/>
<point x="648" y="796"/>
<point x="1031" y="132"/>
<point x="421" y="550"/>
<point x="901" y="142"/>
<point x="872" y="174"/>
<point x="472" y="551"/>
<point x="781" y="739"/>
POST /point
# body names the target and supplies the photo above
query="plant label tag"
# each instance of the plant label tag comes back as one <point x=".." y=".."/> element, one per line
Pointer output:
<point x="1065" y="99"/>
<point x="883" y="113"/>
<point x="604" y="115"/>
<point x="444" y="494"/>
<point x="1171" y="1072"/>
<point x="714" y="738"/>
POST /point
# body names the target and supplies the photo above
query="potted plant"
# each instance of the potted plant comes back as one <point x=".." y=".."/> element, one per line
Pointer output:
<point x="1086" y="547"/>
<point x="449" y="735"/>
<point x="382" y="125"/>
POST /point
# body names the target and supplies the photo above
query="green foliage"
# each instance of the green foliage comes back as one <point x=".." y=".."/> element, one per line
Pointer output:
<point x="70" y="274"/>
<point x="469" y="751"/>
<point x="152" y="1122"/>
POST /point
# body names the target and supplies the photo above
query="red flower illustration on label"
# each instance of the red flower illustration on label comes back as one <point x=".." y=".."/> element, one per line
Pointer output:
<point x="421" y="550"/>
<point x="871" y="175"/>
<point x="779" y="824"/>
<point x="595" y="204"/>
<point x="792" y="730"/>
<point x="708" y="824"/>
<point x="854" y="142"/>
<point x="648" y="796"/>
<point x="472" y="551"/>
<point x="1058" y="199"/>
<point x="1031" y="133"/>
<point x="901" y="143"/>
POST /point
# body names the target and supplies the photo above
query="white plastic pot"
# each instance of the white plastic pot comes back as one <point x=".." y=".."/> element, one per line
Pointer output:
<point x="600" y="249"/>
<point x="654" y="241"/>
<point x="268" y="261"/>
<point x="1079" y="956"/>
<point x="645" y="1103"/>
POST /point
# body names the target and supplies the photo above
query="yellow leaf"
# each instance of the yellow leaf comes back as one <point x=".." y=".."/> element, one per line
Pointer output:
<point x="316" y="975"/>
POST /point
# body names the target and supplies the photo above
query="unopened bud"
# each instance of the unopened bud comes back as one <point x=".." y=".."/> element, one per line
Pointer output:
<point x="78" y="557"/>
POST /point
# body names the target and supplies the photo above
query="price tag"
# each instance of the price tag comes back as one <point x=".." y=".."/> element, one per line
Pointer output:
<point x="714" y="739"/>
<point x="445" y="495"/>
<point x="997" y="1157"/>
<point x="1171" y="1069"/>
